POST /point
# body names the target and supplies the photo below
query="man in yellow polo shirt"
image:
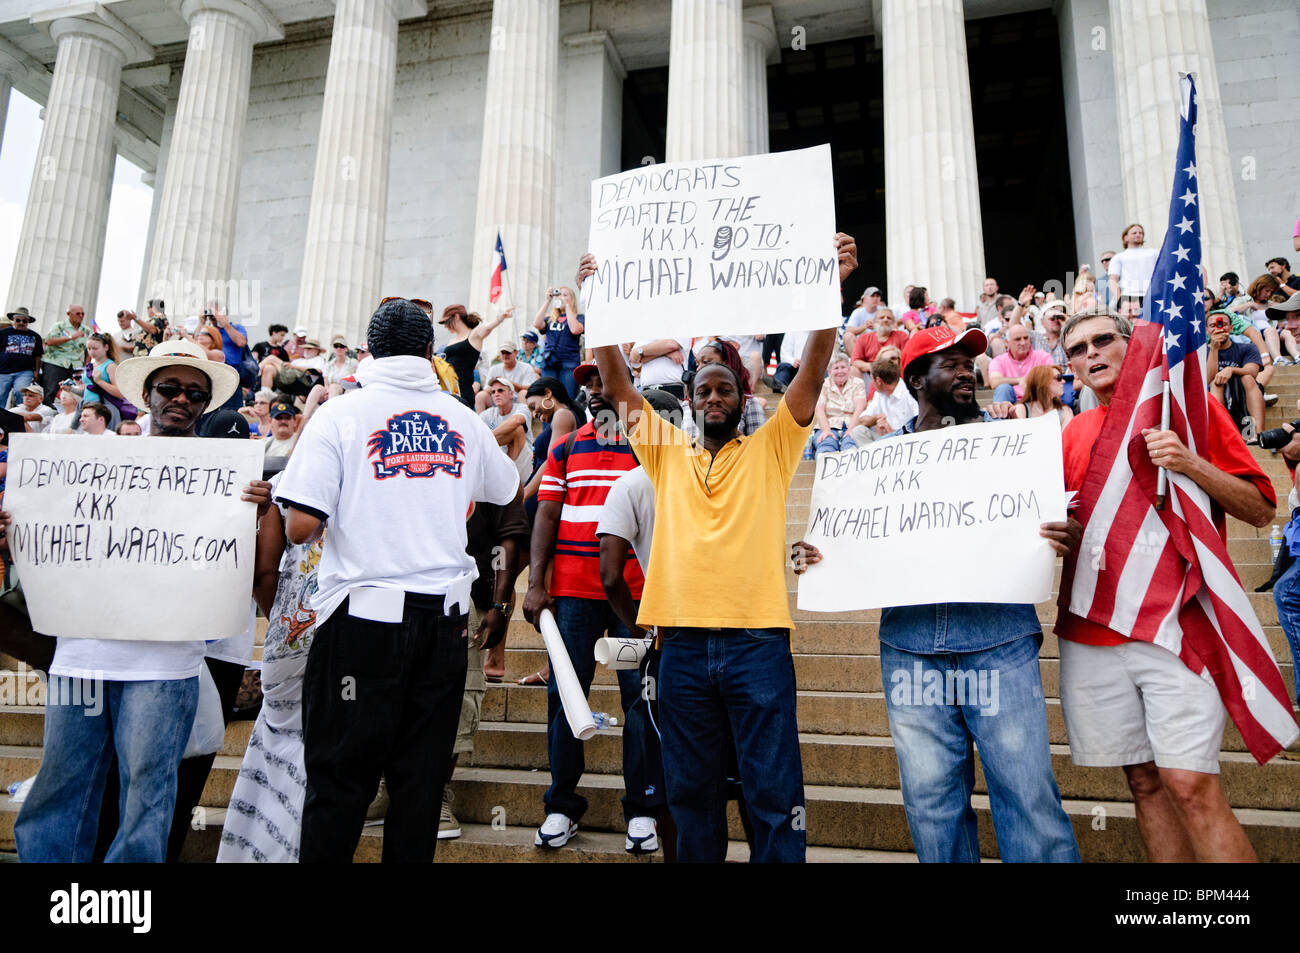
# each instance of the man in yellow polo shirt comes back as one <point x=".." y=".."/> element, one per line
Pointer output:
<point x="716" y="588"/>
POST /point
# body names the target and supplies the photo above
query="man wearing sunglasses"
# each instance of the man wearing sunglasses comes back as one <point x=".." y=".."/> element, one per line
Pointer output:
<point x="136" y="699"/>
<point x="1130" y="703"/>
<point x="20" y="355"/>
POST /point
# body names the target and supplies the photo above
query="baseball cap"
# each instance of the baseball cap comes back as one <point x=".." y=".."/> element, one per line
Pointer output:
<point x="36" y="389"/>
<point x="1279" y="311"/>
<point x="282" y="408"/>
<point x="530" y="335"/>
<point x="226" y="423"/>
<point x="933" y="340"/>
<point x="873" y="290"/>
<point x="583" y="371"/>
<point x="504" y="380"/>
<point x="507" y="346"/>
<point x="300" y="332"/>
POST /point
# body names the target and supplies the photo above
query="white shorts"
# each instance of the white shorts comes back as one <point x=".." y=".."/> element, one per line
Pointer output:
<point x="1137" y="702"/>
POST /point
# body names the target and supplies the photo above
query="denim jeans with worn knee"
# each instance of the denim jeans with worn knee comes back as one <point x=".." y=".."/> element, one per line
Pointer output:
<point x="709" y="678"/>
<point x="12" y="385"/>
<point x="146" y="724"/>
<point x="941" y="707"/>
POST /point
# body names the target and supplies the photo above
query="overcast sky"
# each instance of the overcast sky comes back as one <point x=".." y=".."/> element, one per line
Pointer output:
<point x="128" y="216"/>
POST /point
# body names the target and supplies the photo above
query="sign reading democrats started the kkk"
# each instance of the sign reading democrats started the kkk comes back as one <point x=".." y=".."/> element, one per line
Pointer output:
<point x="725" y="246"/>
<point x="947" y="515"/>
<point x="133" y="537"/>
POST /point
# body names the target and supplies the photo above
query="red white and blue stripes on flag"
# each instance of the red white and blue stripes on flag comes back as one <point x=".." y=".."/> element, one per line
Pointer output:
<point x="1164" y="576"/>
<point x="498" y="270"/>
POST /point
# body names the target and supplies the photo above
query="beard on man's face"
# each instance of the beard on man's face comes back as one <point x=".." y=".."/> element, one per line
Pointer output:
<point x="719" y="429"/>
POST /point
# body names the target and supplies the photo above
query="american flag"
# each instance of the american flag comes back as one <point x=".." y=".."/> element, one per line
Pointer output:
<point x="1164" y="576"/>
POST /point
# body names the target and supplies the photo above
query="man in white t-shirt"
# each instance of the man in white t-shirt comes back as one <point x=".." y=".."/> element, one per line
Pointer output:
<point x="96" y="421"/>
<point x="890" y="406"/>
<point x="511" y="424"/>
<point x="1130" y="271"/>
<point x="33" y="410"/>
<point x="393" y="467"/>
<point x="519" y="374"/>
<point x="135" y="699"/>
<point x="661" y="362"/>
<point x="284" y="430"/>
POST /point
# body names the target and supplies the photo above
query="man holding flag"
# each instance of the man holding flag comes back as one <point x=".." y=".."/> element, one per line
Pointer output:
<point x="1156" y="633"/>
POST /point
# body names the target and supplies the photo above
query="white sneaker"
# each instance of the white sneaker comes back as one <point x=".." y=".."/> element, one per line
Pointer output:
<point x="555" y="831"/>
<point x="1270" y="400"/>
<point x="642" y="836"/>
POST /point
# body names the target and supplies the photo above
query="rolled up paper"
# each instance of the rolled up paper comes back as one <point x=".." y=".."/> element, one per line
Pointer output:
<point x="572" y="698"/>
<point x="619" y="654"/>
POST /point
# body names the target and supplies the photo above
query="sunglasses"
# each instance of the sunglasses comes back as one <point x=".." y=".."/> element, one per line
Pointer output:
<point x="1105" y="261"/>
<point x="22" y="320"/>
<point x="1098" y="341"/>
<point x="193" y="394"/>
<point x="1058" y="377"/>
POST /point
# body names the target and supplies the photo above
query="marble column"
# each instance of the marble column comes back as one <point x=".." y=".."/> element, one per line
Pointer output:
<point x="1154" y="40"/>
<point x="933" y="231"/>
<point x="5" y="86"/>
<point x="195" y="231"/>
<point x="344" y="257"/>
<point x="706" y="80"/>
<point x="516" y="184"/>
<point x="761" y="48"/>
<point x="61" y="240"/>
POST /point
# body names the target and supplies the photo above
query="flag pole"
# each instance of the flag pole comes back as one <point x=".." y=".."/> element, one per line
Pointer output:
<point x="1162" y="475"/>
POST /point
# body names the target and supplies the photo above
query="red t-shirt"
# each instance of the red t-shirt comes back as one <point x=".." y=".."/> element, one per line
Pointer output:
<point x="1228" y="452"/>
<point x="868" y="344"/>
<point x="581" y="482"/>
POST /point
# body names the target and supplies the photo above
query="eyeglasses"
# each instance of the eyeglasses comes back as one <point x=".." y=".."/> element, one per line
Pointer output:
<point x="193" y="394"/>
<point x="1098" y="341"/>
<point x="1057" y="377"/>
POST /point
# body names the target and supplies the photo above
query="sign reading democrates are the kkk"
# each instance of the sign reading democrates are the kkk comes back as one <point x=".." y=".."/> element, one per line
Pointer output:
<point x="133" y="538"/>
<point x="947" y="515"/>
<point x="725" y="246"/>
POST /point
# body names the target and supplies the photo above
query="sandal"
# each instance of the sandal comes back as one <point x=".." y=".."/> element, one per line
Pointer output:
<point x="537" y="678"/>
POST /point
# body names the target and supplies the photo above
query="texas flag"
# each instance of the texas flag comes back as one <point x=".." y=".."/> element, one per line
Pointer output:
<point x="498" y="270"/>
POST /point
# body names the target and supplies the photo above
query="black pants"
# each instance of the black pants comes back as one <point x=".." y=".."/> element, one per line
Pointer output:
<point x="51" y="377"/>
<point x="380" y="698"/>
<point x="771" y="345"/>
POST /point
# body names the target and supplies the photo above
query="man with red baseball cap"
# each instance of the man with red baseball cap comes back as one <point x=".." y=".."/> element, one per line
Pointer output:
<point x="984" y="656"/>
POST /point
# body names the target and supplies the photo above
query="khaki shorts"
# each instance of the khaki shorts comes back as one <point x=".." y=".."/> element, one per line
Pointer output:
<point x="471" y="703"/>
<point x="1137" y="702"/>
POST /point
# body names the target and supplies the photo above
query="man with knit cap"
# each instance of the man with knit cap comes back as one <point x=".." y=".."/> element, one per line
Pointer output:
<point x="392" y="469"/>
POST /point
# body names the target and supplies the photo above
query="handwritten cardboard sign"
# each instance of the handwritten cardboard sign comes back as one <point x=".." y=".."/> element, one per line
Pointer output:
<point x="133" y="537"/>
<point x="726" y="246"/>
<point x="948" y="515"/>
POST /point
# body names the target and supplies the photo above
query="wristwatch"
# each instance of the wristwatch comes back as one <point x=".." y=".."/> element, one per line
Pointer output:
<point x="504" y="608"/>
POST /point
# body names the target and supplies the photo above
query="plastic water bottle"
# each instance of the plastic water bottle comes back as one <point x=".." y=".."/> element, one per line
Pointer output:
<point x="603" y="720"/>
<point x="1275" y="540"/>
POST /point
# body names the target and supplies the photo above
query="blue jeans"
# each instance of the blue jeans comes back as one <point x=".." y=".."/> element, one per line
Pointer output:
<point x="1006" y="392"/>
<point x="709" y="678"/>
<point x="993" y="698"/>
<point x="582" y="622"/>
<point x="13" y="384"/>
<point x="1286" y="593"/>
<point x="833" y="440"/>
<point x="86" y="721"/>
<point x="784" y="374"/>
<point x="563" y="372"/>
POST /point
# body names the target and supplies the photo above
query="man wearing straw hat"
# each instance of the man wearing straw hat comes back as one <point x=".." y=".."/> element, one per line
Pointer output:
<point x="135" y="699"/>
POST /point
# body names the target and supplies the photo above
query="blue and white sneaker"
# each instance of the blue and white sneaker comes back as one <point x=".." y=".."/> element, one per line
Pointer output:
<point x="555" y="831"/>
<point x="642" y="836"/>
